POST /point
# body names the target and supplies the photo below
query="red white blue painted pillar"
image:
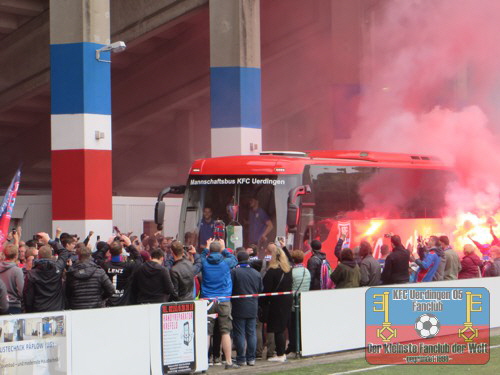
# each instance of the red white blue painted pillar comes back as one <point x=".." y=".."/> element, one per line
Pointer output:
<point x="235" y="77"/>
<point x="81" y="117"/>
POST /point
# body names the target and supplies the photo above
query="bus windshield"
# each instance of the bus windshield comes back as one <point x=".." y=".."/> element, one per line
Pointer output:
<point x="247" y="205"/>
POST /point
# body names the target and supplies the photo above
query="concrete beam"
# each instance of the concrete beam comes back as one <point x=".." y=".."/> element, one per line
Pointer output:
<point x="22" y="7"/>
<point x="131" y="19"/>
<point x="24" y="60"/>
<point x="8" y="23"/>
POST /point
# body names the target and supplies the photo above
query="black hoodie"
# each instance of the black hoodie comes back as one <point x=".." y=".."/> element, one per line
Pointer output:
<point x="87" y="286"/>
<point x="314" y="267"/>
<point x="151" y="284"/>
<point x="43" y="288"/>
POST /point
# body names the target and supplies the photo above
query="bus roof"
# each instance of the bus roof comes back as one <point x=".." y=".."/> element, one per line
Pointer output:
<point x="292" y="162"/>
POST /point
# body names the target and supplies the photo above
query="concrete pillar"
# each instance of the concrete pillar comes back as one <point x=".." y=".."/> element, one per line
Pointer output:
<point x="81" y="117"/>
<point x="235" y="78"/>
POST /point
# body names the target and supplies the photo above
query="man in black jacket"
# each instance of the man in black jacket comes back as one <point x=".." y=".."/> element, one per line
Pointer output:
<point x="152" y="283"/>
<point x="397" y="263"/>
<point x="87" y="285"/>
<point x="4" y="302"/>
<point x="43" y="288"/>
<point x="246" y="280"/>
<point x="120" y="271"/>
<point x="314" y="264"/>
<point x="182" y="272"/>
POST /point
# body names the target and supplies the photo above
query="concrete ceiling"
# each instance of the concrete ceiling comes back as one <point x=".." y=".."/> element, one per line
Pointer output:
<point x="15" y="13"/>
<point x="160" y="90"/>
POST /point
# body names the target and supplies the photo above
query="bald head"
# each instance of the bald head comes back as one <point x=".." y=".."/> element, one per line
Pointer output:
<point x="468" y="249"/>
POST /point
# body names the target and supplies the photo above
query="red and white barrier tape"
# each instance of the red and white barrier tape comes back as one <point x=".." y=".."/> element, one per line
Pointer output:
<point x="250" y="295"/>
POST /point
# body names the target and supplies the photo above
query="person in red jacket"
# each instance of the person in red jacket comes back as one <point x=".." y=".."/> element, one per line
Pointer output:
<point x="471" y="264"/>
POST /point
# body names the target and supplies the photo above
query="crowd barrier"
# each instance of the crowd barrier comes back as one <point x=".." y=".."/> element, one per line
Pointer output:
<point x="334" y="320"/>
<point x="154" y="339"/>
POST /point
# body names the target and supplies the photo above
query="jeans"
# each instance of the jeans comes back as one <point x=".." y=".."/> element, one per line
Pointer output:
<point x="244" y="331"/>
<point x="14" y="310"/>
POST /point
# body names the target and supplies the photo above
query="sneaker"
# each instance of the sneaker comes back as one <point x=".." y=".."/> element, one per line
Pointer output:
<point x="217" y="362"/>
<point x="278" y="358"/>
<point x="251" y="363"/>
<point x="231" y="366"/>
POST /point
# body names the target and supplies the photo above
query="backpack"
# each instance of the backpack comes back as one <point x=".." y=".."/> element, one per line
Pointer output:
<point x="326" y="270"/>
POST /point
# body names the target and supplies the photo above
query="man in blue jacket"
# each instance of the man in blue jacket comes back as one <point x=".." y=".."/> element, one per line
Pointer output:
<point x="429" y="261"/>
<point x="246" y="280"/>
<point x="216" y="263"/>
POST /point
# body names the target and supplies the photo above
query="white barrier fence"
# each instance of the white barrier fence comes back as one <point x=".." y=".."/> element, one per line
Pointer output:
<point x="139" y="340"/>
<point x="120" y="340"/>
<point x="334" y="320"/>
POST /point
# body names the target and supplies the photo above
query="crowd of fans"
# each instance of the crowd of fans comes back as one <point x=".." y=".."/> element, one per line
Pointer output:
<point x="46" y="274"/>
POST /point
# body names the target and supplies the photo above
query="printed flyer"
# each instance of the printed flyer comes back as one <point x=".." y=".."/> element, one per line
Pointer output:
<point x="178" y="346"/>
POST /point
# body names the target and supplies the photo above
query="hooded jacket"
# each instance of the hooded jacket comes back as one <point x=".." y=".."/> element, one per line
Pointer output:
<point x="13" y="278"/>
<point x="4" y="302"/>
<point x="429" y="265"/>
<point x="87" y="286"/>
<point x="314" y="267"/>
<point x="43" y="288"/>
<point x="152" y="284"/>
<point x="216" y="273"/>
<point x="346" y="275"/>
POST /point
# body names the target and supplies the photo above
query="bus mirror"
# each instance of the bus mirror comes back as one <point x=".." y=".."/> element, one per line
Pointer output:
<point x="160" y="205"/>
<point x="159" y="212"/>
<point x="293" y="211"/>
<point x="292" y="217"/>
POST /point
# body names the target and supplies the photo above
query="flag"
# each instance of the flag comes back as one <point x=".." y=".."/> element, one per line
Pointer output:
<point x="8" y="205"/>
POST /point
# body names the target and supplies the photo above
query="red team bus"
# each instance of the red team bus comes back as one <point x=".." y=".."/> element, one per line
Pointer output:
<point x="303" y="196"/>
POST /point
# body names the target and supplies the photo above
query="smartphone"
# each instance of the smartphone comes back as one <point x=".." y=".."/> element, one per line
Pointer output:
<point x="98" y="238"/>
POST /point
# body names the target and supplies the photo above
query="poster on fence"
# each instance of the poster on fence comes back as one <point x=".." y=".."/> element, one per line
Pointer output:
<point x="177" y="338"/>
<point x="33" y="345"/>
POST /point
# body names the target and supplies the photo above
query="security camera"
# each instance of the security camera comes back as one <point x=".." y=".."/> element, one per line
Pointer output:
<point x="113" y="47"/>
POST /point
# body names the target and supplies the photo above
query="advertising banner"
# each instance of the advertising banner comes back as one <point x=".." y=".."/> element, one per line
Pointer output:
<point x="427" y="325"/>
<point x="178" y="338"/>
<point x="33" y="345"/>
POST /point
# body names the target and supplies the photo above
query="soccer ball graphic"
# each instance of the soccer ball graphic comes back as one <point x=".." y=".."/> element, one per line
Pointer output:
<point x="427" y="326"/>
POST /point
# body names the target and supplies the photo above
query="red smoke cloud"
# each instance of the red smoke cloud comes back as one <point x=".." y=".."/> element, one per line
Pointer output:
<point x="431" y="76"/>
